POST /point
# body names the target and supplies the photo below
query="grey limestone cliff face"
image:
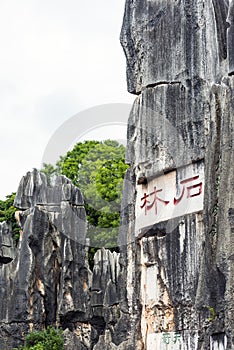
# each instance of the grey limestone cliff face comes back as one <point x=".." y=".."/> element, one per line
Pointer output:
<point x="7" y="253"/>
<point x="171" y="41"/>
<point x="177" y="212"/>
<point x="230" y="32"/>
<point x="45" y="279"/>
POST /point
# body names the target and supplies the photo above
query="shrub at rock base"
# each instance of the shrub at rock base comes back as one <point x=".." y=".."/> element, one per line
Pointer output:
<point x="48" y="339"/>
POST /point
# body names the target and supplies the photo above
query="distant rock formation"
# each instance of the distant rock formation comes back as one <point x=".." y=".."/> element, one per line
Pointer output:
<point x="46" y="279"/>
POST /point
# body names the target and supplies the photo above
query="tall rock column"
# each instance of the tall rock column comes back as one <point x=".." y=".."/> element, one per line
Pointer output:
<point x="177" y="219"/>
<point x="45" y="279"/>
<point x="230" y="21"/>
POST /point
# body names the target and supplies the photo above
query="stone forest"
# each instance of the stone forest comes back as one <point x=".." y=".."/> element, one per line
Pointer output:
<point x="170" y="286"/>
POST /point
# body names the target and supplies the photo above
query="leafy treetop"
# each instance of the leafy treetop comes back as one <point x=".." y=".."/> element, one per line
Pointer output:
<point x="48" y="339"/>
<point x="7" y="213"/>
<point x="98" y="169"/>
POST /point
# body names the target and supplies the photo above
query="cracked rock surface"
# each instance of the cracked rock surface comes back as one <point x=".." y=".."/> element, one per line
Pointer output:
<point x="179" y="271"/>
<point x="46" y="279"/>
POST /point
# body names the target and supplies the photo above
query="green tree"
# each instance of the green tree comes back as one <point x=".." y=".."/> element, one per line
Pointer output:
<point x="101" y="179"/>
<point x="48" y="339"/>
<point x="7" y="213"/>
<point x="70" y="164"/>
<point x="98" y="169"/>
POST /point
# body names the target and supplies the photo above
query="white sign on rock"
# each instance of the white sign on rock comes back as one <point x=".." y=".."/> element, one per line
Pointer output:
<point x="171" y="195"/>
<point x="172" y="340"/>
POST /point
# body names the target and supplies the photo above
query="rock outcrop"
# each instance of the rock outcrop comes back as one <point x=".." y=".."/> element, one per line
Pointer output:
<point x="7" y="252"/>
<point x="177" y="214"/>
<point x="46" y="279"/>
<point x="230" y="36"/>
<point x="171" y="41"/>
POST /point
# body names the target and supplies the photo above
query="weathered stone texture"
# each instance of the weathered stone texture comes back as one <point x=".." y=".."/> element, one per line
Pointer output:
<point x="46" y="279"/>
<point x="172" y="41"/>
<point x="183" y="287"/>
<point x="186" y="263"/>
<point x="7" y="252"/>
<point x="183" y="115"/>
<point x="166" y="129"/>
<point x="230" y="36"/>
<point x="219" y="209"/>
<point x="33" y="189"/>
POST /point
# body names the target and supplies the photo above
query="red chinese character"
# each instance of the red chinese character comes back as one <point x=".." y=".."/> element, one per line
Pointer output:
<point x="154" y="202"/>
<point x="190" y="194"/>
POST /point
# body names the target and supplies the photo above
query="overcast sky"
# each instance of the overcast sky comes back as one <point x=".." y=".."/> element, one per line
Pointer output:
<point x="57" y="58"/>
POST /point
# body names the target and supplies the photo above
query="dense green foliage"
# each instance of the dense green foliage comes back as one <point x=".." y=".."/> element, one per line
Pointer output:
<point x="98" y="169"/>
<point x="7" y="213"/>
<point x="70" y="164"/>
<point x="48" y="339"/>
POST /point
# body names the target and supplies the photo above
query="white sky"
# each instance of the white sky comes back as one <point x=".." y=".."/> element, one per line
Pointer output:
<point x="57" y="58"/>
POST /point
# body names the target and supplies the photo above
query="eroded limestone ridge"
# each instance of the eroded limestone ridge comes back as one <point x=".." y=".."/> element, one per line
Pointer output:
<point x="45" y="279"/>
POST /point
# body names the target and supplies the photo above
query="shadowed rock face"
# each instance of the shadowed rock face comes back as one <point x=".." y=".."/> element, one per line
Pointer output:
<point x="172" y="41"/>
<point x="7" y="251"/>
<point x="230" y="32"/>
